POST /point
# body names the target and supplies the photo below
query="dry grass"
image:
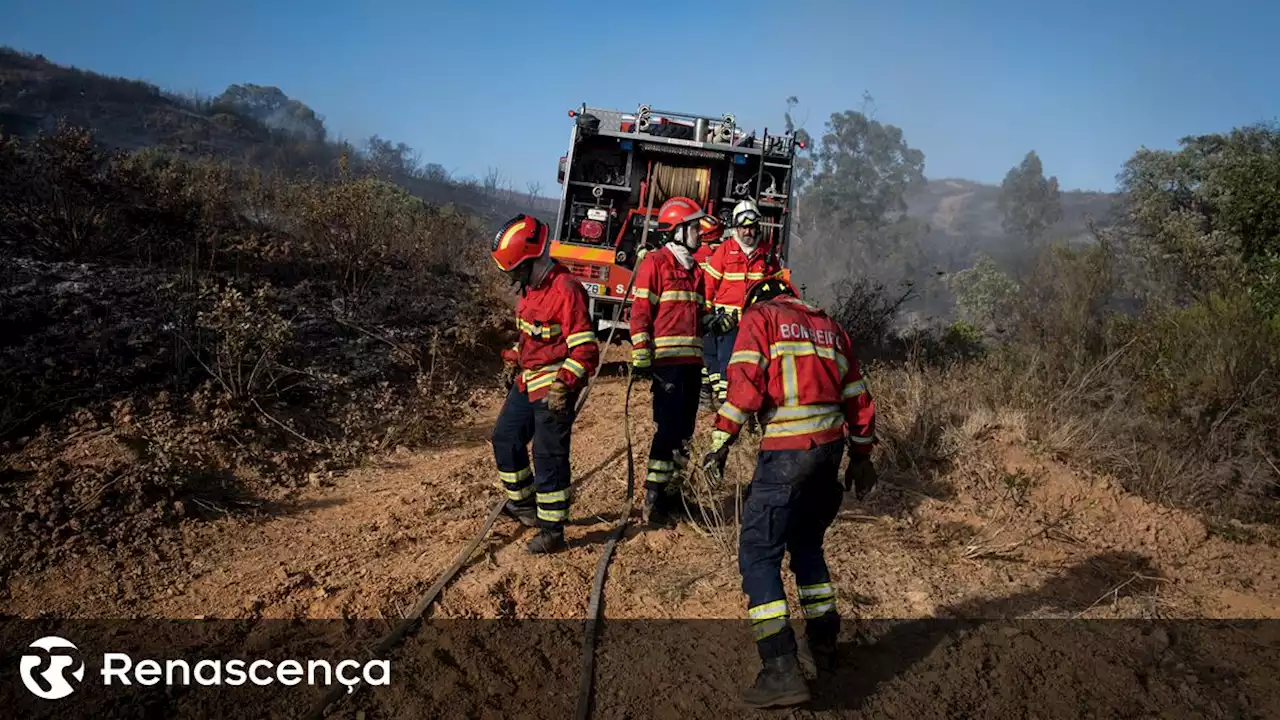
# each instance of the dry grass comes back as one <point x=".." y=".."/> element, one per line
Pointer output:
<point x="245" y="332"/>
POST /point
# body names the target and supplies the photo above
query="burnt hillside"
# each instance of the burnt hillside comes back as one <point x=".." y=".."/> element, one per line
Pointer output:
<point x="36" y="94"/>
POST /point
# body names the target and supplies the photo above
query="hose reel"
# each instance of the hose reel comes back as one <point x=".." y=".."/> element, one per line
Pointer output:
<point x="690" y="182"/>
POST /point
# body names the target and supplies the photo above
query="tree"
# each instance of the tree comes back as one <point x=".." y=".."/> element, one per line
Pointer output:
<point x="1210" y="211"/>
<point x="271" y="107"/>
<point x="392" y="160"/>
<point x="854" y="205"/>
<point x="1030" y="203"/>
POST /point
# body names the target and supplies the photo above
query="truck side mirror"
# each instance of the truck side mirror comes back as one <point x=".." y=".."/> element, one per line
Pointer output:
<point x="560" y="172"/>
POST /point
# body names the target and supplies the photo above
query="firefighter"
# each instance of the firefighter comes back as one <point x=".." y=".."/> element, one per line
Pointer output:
<point x="712" y="236"/>
<point x="732" y="267"/>
<point x="666" y="316"/>
<point x="544" y="373"/>
<point x="794" y="367"/>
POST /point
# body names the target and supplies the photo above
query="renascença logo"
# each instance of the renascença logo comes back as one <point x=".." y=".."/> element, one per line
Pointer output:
<point x="44" y="667"/>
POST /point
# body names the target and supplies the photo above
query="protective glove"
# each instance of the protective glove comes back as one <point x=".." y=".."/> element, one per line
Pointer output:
<point x="508" y="375"/>
<point x="557" y="397"/>
<point x="714" y="461"/>
<point x="708" y="321"/>
<point x="510" y="368"/>
<point x="641" y="363"/>
<point x="725" y="323"/>
<point x="860" y="476"/>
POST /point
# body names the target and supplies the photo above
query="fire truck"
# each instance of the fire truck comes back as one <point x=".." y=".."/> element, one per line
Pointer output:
<point x="621" y="166"/>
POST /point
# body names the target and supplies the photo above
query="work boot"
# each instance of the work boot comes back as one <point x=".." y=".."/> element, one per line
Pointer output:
<point x="779" y="684"/>
<point x="547" y="541"/>
<point x="526" y="515"/>
<point x="824" y="655"/>
<point x="654" y="511"/>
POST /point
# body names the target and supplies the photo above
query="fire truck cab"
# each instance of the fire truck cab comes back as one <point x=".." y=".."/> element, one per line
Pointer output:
<point x="621" y="166"/>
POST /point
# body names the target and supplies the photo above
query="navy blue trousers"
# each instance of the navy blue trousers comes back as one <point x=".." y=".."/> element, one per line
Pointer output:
<point x="675" y="412"/>
<point x="793" y="498"/>
<point x="716" y="353"/>
<point x="547" y="482"/>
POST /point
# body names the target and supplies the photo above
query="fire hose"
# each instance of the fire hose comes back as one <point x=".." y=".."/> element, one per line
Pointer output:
<point x="620" y="527"/>
<point x="687" y="182"/>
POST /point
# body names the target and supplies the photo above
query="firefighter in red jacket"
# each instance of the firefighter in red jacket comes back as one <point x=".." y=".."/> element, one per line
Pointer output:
<point x="712" y="236"/>
<point x="666" y="321"/>
<point x="795" y="368"/>
<point x="734" y="265"/>
<point x="545" y="371"/>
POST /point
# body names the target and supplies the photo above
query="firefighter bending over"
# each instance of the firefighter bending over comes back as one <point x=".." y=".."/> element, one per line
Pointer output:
<point x="544" y="373"/>
<point x="734" y="266"/>
<point x="666" y="316"/>
<point x="795" y="367"/>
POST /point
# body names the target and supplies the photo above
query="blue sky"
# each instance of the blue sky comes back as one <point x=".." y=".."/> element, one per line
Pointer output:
<point x="975" y="85"/>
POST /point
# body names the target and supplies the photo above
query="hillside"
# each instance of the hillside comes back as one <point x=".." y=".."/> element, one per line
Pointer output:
<point x="964" y="218"/>
<point x="36" y="94"/>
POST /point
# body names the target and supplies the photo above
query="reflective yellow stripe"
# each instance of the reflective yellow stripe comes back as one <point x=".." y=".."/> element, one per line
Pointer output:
<point x="674" y="352"/>
<point x="799" y="348"/>
<point x="643" y="293"/>
<point x="541" y="377"/>
<point x="768" y="611"/>
<point x="821" y="590"/>
<point x="680" y="296"/>
<point x="788" y="413"/>
<point x="854" y="389"/>
<point x="728" y="306"/>
<point x="662" y="465"/>
<point x="818" y="609"/>
<point x="748" y="357"/>
<point x="735" y="276"/>
<point x="842" y="362"/>
<point x="639" y="338"/>
<point x="677" y="340"/>
<point x="713" y="272"/>
<point x="655" y="476"/>
<point x="575" y="367"/>
<point x="757" y="276"/>
<point x="546" y="332"/>
<point x="790" y="428"/>
<point x="790" y="381"/>
<point x="859" y="440"/>
<point x="552" y="515"/>
<point x="580" y="338"/>
<point x="514" y="477"/>
<point x="768" y="628"/>
<point x="554" y="496"/>
<point x="733" y="412"/>
<point x="518" y="495"/>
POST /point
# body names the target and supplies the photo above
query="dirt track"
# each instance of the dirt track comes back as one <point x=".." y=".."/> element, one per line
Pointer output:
<point x="1005" y="535"/>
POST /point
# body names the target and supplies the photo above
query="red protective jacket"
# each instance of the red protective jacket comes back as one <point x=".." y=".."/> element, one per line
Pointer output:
<point x="705" y="250"/>
<point x="667" y="311"/>
<point x="557" y="339"/>
<point x="730" y="272"/>
<point x="795" y="366"/>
